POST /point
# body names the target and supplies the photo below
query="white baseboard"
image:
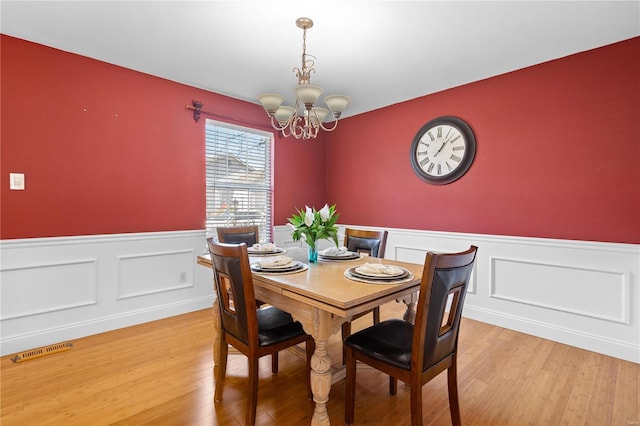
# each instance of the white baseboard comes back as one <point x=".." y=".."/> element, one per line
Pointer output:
<point x="588" y="341"/>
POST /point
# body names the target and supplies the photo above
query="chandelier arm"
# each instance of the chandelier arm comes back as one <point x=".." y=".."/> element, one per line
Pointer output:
<point x="286" y="133"/>
<point x="275" y="124"/>
<point x="314" y="131"/>
<point x="296" y="130"/>
<point x="330" y="129"/>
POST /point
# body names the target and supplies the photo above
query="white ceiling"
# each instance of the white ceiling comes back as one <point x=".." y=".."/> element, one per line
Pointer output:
<point x="377" y="52"/>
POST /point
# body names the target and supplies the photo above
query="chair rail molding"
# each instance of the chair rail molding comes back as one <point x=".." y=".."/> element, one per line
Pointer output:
<point x="580" y="293"/>
<point x="62" y="288"/>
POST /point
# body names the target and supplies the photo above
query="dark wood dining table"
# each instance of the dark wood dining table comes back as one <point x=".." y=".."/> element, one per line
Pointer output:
<point x="322" y="297"/>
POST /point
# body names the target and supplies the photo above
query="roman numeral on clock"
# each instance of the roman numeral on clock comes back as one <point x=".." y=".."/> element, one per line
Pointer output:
<point x="455" y="139"/>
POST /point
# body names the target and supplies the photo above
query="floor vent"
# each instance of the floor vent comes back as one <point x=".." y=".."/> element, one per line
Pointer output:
<point x="40" y="352"/>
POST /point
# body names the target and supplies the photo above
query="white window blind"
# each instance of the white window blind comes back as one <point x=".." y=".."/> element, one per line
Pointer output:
<point x="238" y="178"/>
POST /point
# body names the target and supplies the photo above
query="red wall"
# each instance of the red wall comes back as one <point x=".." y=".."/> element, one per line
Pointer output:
<point x="558" y="154"/>
<point x="109" y="150"/>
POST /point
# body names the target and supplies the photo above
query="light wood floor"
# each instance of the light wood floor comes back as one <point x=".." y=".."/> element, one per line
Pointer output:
<point x="160" y="373"/>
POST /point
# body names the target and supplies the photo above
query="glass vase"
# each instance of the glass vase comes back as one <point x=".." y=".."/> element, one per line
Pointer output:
<point x="313" y="252"/>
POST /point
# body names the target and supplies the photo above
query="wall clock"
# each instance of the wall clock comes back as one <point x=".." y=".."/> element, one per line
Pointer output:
<point x="443" y="150"/>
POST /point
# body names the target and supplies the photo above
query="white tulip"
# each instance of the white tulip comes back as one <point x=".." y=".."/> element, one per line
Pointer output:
<point x="325" y="214"/>
<point x="308" y="217"/>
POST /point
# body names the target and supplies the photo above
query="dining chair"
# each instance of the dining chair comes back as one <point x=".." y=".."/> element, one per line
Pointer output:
<point x="239" y="234"/>
<point x="415" y="354"/>
<point x="255" y="332"/>
<point x="248" y="234"/>
<point x="368" y="242"/>
<point x="364" y="241"/>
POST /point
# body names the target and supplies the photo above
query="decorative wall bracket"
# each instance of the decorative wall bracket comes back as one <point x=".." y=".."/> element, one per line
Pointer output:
<point x="196" y="106"/>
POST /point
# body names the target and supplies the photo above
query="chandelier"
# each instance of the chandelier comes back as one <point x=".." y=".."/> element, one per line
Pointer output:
<point x="304" y="120"/>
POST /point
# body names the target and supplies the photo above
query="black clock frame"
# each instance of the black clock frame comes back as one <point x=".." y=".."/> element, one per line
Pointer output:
<point x="467" y="160"/>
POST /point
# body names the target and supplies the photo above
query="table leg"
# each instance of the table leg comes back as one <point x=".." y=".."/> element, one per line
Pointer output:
<point x="321" y="367"/>
<point x="320" y="325"/>
<point x="320" y="383"/>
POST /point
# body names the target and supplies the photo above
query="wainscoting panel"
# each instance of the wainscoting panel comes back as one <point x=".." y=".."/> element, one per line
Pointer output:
<point x="563" y="288"/>
<point x="149" y="273"/>
<point x="418" y="255"/>
<point x="58" y="289"/>
<point x="51" y="287"/>
<point x="580" y="293"/>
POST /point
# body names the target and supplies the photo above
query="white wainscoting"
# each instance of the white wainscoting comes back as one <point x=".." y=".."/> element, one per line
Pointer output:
<point x="58" y="289"/>
<point x="584" y="294"/>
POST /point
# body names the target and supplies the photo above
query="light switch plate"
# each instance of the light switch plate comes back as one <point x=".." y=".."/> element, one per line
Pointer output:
<point x="16" y="181"/>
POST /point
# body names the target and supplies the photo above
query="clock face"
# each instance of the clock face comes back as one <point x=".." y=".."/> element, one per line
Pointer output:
<point x="443" y="150"/>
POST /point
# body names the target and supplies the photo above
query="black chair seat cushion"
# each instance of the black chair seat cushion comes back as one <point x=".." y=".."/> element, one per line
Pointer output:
<point x="388" y="341"/>
<point x="275" y="326"/>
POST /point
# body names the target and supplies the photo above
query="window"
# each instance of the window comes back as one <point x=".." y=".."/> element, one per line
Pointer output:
<point x="238" y="178"/>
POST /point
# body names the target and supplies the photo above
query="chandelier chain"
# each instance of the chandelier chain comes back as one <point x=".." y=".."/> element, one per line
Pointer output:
<point x="304" y="73"/>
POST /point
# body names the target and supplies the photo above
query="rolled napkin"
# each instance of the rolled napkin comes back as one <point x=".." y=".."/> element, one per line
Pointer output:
<point x="335" y="251"/>
<point x="379" y="269"/>
<point x="275" y="262"/>
<point x="264" y="247"/>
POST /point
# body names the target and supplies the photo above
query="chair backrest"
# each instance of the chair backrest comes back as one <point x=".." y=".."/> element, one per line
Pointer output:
<point x="239" y="234"/>
<point x="445" y="279"/>
<point x="364" y="241"/>
<point x="234" y="288"/>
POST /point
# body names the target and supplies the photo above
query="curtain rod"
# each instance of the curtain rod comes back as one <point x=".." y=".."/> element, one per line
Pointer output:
<point x="196" y="107"/>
